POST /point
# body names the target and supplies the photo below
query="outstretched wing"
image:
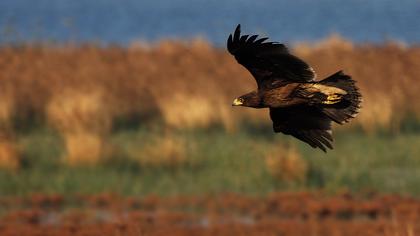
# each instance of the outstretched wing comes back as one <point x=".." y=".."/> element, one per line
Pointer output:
<point x="269" y="62"/>
<point x="304" y="122"/>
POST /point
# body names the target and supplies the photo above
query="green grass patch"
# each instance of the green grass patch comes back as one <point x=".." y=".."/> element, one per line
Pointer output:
<point x="217" y="162"/>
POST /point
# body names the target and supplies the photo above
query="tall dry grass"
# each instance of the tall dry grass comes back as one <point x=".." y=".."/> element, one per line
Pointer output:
<point x="84" y="120"/>
<point x="9" y="156"/>
<point x="79" y="90"/>
<point x="286" y="164"/>
<point x="165" y="151"/>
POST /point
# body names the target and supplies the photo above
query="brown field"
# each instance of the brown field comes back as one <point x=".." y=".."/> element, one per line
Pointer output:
<point x="227" y="214"/>
<point x="65" y="84"/>
<point x="184" y="85"/>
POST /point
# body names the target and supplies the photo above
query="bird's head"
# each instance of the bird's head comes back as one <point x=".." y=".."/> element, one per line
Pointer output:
<point x="238" y="102"/>
<point x="251" y="99"/>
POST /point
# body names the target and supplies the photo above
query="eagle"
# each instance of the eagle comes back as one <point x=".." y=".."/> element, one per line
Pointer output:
<point x="299" y="105"/>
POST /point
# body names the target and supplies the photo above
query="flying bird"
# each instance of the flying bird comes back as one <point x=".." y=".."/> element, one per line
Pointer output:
<point x="299" y="105"/>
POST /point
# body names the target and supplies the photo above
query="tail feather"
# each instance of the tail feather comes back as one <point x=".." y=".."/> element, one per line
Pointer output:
<point x="349" y="105"/>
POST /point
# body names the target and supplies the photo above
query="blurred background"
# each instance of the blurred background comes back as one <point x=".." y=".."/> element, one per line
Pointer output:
<point x="118" y="113"/>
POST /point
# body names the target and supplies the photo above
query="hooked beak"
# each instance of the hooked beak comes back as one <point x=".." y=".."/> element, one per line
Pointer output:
<point x="237" y="102"/>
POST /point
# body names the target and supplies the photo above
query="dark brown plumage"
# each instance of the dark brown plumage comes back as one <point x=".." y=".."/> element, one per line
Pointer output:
<point x="299" y="105"/>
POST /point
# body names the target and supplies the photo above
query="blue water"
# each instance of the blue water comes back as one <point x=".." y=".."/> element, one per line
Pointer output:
<point x="125" y="21"/>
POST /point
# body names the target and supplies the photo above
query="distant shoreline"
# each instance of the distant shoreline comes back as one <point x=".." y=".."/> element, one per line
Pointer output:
<point x="111" y="22"/>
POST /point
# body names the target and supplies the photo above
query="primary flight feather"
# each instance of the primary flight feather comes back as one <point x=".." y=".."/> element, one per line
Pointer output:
<point x="299" y="105"/>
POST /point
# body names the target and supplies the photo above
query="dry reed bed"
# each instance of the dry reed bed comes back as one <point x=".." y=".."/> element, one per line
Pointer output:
<point x="80" y="90"/>
<point x="192" y="84"/>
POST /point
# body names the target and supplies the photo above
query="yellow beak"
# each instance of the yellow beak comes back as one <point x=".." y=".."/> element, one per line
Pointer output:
<point x="237" y="102"/>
